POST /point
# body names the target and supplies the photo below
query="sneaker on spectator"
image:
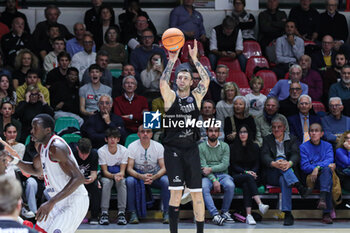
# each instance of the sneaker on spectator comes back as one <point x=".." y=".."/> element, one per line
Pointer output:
<point x="133" y="218"/>
<point x="227" y="217"/>
<point x="250" y="220"/>
<point x="121" y="219"/>
<point x="93" y="221"/>
<point x="263" y="208"/>
<point x="218" y="220"/>
<point x="27" y="213"/>
<point x="104" y="219"/>
<point x="165" y="218"/>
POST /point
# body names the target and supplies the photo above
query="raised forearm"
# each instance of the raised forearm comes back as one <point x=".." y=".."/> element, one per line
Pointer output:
<point x="167" y="71"/>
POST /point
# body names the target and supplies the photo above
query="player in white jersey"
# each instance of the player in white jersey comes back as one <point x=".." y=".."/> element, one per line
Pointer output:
<point x="69" y="200"/>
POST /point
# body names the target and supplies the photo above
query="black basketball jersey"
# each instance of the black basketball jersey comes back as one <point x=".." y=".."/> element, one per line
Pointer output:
<point x="179" y="122"/>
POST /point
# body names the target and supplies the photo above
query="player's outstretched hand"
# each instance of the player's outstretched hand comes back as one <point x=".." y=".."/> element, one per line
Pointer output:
<point x="174" y="55"/>
<point x="44" y="210"/>
<point x="193" y="51"/>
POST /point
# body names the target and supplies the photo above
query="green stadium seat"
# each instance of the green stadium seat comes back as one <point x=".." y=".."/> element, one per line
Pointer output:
<point x="116" y="72"/>
<point x="64" y="122"/>
<point x="71" y="138"/>
<point x="131" y="138"/>
<point x="27" y="140"/>
<point x="261" y="190"/>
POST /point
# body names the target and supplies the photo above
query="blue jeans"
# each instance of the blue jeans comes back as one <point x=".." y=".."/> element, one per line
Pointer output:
<point x="325" y="181"/>
<point x="228" y="186"/>
<point x="162" y="183"/>
<point x="285" y="180"/>
<point x="214" y="60"/>
<point x="31" y="191"/>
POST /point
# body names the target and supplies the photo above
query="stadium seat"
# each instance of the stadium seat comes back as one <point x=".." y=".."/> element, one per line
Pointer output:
<point x="71" y="138"/>
<point x="116" y="72"/>
<point x="184" y="51"/>
<point x="318" y="106"/>
<point x="269" y="77"/>
<point x="64" y="122"/>
<point x="275" y="189"/>
<point x="254" y="62"/>
<point x="245" y="91"/>
<point x="309" y="42"/>
<point x="27" y="140"/>
<point x="233" y="65"/>
<point x="131" y="138"/>
<point x="251" y="48"/>
<point x="205" y="62"/>
<point x="239" y="78"/>
<point x="265" y="91"/>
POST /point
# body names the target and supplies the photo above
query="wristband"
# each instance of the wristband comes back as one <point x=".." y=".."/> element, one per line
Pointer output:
<point x="15" y="161"/>
<point x="245" y="172"/>
<point x="318" y="167"/>
<point x="213" y="180"/>
<point x="291" y="163"/>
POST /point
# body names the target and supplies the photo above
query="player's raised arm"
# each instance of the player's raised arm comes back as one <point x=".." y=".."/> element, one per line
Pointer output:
<point x="167" y="93"/>
<point x="202" y="88"/>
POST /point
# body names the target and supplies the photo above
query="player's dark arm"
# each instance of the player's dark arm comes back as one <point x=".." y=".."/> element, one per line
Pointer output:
<point x="161" y="171"/>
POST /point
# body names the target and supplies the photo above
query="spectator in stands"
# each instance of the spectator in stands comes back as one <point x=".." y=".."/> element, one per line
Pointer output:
<point x="208" y="113"/>
<point x="116" y="50"/>
<point x="280" y="90"/>
<point x="59" y="73"/>
<point x="130" y="106"/>
<point x="87" y="160"/>
<point x="139" y="57"/>
<point x="10" y="13"/>
<point x="33" y="104"/>
<point x="217" y="83"/>
<point x="50" y="60"/>
<point x="151" y="75"/>
<point x="96" y="125"/>
<point x="299" y="124"/>
<point x="117" y="90"/>
<point x="215" y="159"/>
<point x="240" y="116"/>
<point x="224" y="108"/>
<point x="335" y="123"/>
<point x="102" y="61"/>
<point x="280" y="157"/>
<point x="25" y="60"/>
<point x="7" y="92"/>
<point x="64" y="96"/>
<point x="133" y="36"/>
<point x="256" y="99"/>
<point x="76" y="44"/>
<point x="6" y="117"/>
<point x="324" y="58"/>
<point x="342" y="89"/>
<point x="244" y="167"/>
<point x="311" y="78"/>
<point x="83" y="59"/>
<point x="189" y="21"/>
<point x="32" y="78"/>
<point x="14" y="41"/>
<point x="91" y="92"/>
<point x="226" y="41"/>
<point x="342" y="160"/>
<point x="307" y="20"/>
<point x="246" y="20"/>
<point x="334" y="24"/>
<point x="271" y="24"/>
<point x="195" y="81"/>
<point x="316" y="161"/>
<point x="4" y="69"/>
<point x="107" y="19"/>
<point x="113" y="159"/>
<point x="129" y="17"/>
<point x="40" y="33"/>
<point x="288" y="106"/>
<point x="92" y="16"/>
<point x="46" y="46"/>
<point x="146" y="164"/>
<point x="289" y="49"/>
<point x="263" y="121"/>
<point x="333" y="74"/>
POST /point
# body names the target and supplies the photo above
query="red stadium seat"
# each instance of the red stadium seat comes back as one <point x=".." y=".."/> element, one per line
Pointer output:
<point x="251" y="48"/>
<point x="309" y="42"/>
<point x="184" y="51"/>
<point x="275" y="189"/>
<point x="265" y="91"/>
<point x="233" y="65"/>
<point x="245" y="91"/>
<point x="318" y="106"/>
<point x="254" y="62"/>
<point x="205" y="62"/>
<point x="239" y="78"/>
<point x="269" y="77"/>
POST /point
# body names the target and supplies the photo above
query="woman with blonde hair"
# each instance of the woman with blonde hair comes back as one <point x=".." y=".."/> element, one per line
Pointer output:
<point x="224" y="108"/>
<point x="25" y="60"/>
<point x="342" y="160"/>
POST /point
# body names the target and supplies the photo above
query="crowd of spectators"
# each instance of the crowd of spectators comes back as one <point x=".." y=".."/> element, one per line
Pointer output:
<point x="273" y="137"/>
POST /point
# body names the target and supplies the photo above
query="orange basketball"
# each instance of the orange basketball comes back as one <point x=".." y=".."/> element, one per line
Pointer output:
<point x="173" y="39"/>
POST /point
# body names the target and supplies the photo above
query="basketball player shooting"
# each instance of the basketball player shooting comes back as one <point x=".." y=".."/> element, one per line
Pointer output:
<point x="69" y="200"/>
<point x="181" y="153"/>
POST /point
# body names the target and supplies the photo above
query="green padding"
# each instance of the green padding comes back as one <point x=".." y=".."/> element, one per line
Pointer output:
<point x="116" y="72"/>
<point x="71" y="138"/>
<point x="27" y="140"/>
<point x="261" y="190"/>
<point x="345" y="192"/>
<point x="155" y="191"/>
<point x="129" y="139"/>
<point x="64" y="122"/>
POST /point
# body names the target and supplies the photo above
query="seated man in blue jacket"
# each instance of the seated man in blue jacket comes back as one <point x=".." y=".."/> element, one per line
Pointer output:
<point x="316" y="161"/>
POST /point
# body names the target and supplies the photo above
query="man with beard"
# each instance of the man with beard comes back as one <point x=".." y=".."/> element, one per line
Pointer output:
<point x="208" y="113"/>
<point x="217" y="83"/>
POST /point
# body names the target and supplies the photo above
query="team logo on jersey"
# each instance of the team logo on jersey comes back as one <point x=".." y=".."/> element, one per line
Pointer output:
<point x="57" y="231"/>
<point x="177" y="179"/>
<point x="151" y="120"/>
<point x="189" y="99"/>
